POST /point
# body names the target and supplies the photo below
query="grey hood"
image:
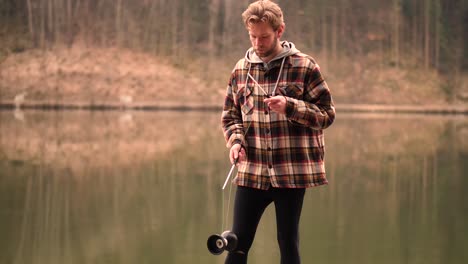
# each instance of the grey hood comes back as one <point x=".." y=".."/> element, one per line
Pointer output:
<point x="288" y="50"/>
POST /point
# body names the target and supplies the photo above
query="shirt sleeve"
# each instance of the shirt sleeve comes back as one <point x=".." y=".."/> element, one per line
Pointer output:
<point x="231" y="118"/>
<point x="317" y="109"/>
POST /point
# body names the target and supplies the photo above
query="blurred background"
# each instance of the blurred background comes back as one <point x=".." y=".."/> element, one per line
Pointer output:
<point x="390" y="52"/>
<point x="133" y="186"/>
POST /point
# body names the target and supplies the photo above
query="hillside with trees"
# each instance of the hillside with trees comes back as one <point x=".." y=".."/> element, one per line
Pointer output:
<point x="387" y="52"/>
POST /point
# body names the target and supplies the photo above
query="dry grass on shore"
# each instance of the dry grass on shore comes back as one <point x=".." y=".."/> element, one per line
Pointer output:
<point x="119" y="76"/>
<point x="97" y="75"/>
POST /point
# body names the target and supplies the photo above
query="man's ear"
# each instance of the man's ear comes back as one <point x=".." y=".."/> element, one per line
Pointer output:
<point x="280" y="30"/>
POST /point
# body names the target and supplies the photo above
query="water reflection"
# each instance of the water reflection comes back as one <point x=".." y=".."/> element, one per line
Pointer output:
<point x="145" y="187"/>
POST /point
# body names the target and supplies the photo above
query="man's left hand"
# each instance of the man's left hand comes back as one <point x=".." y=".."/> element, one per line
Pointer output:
<point x="276" y="104"/>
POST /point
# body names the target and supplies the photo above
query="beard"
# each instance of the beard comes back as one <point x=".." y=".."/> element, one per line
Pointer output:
<point x="267" y="53"/>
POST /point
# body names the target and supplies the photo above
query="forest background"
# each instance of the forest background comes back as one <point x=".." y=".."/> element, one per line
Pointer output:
<point x="181" y="51"/>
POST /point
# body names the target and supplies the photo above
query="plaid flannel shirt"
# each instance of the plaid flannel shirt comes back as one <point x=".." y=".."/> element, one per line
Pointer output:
<point x="284" y="151"/>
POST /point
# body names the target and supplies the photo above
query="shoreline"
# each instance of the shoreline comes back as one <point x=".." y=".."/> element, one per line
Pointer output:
<point x="194" y="106"/>
<point x="110" y="106"/>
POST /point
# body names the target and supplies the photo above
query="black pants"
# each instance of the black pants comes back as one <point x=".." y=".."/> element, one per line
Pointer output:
<point x="249" y="206"/>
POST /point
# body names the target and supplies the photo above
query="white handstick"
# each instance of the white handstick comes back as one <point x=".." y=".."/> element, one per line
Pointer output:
<point x="229" y="175"/>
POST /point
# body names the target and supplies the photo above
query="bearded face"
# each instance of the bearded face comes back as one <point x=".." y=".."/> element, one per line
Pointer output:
<point x="265" y="41"/>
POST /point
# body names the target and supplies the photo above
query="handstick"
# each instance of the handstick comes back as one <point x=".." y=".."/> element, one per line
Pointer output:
<point x="229" y="174"/>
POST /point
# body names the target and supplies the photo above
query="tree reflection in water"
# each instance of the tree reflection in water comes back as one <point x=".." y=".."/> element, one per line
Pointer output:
<point x="145" y="187"/>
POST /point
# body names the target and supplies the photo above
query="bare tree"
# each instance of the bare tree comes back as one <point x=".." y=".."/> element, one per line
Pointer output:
<point x="427" y="35"/>
<point x="396" y="32"/>
<point x="30" y="21"/>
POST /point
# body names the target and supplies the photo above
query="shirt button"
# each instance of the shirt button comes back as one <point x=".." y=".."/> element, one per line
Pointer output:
<point x="269" y="149"/>
<point x="266" y="112"/>
<point x="270" y="166"/>
<point x="267" y="131"/>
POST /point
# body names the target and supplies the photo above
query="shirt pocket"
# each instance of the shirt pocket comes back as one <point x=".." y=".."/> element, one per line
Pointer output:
<point x="293" y="90"/>
<point x="246" y="99"/>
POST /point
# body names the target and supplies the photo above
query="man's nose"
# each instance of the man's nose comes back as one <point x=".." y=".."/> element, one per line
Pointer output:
<point x="257" y="42"/>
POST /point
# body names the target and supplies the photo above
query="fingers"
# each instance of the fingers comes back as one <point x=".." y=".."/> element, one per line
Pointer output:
<point x="242" y="155"/>
<point x="276" y="104"/>
<point x="276" y="100"/>
<point x="272" y="100"/>
<point x="237" y="154"/>
<point x="233" y="155"/>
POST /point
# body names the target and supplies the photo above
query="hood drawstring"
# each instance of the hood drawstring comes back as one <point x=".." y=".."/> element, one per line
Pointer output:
<point x="279" y="76"/>
<point x="259" y="86"/>
<point x="246" y="82"/>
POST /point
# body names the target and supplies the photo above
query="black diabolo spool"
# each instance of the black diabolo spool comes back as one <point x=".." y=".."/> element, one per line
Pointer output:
<point x="219" y="243"/>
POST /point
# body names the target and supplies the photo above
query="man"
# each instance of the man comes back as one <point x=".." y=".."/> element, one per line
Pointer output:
<point x="276" y="106"/>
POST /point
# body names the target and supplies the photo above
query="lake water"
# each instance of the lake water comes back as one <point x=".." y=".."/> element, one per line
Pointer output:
<point x="145" y="187"/>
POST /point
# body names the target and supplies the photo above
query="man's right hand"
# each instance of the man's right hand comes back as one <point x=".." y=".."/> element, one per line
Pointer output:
<point x="237" y="154"/>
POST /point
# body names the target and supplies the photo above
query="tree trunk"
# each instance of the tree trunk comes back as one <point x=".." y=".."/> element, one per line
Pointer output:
<point x="30" y="23"/>
<point x="324" y="39"/>
<point x="69" y="24"/>
<point x="42" y="16"/>
<point x="226" y="25"/>
<point x="175" y="29"/>
<point x="213" y="22"/>
<point x="396" y="32"/>
<point x="50" y="22"/>
<point x="437" y="36"/>
<point x="118" y="22"/>
<point x="427" y="35"/>
<point x="334" y="36"/>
